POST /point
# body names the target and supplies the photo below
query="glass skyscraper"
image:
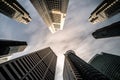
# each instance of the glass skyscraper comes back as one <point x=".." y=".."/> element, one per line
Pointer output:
<point x="112" y="30"/>
<point x="77" y="69"/>
<point x="108" y="64"/>
<point x="7" y="47"/>
<point x="39" y="65"/>
<point x="105" y="10"/>
<point x="14" y="10"/>
<point x="53" y="12"/>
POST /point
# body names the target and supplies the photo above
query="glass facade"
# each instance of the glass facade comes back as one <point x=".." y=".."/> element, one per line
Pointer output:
<point x="107" y="64"/>
<point x="77" y="69"/>
<point x="7" y="47"/>
<point x="39" y="65"/>
<point x="14" y="10"/>
<point x="53" y="12"/>
<point x="112" y="30"/>
<point x="105" y="10"/>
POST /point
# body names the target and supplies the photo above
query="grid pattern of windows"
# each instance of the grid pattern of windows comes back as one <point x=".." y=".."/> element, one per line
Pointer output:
<point x="53" y="4"/>
<point x="38" y="65"/>
<point x="56" y="18"/>
<point x="13" y="9"/>
<point x="106" y="9"/>
<point x="77" y="69"/>
<point x="108" y="64"/>
<point x="52" y="12"/>
<point x="7" y="10"/>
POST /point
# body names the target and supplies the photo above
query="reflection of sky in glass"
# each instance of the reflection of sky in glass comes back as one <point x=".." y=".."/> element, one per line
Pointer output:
<point x="76" y="33"/>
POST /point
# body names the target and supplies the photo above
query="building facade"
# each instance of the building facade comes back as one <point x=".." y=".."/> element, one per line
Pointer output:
<point x="39" y="65"/>
<point x="77" y="69"/>
<point x="112" y="30"/>
<point x="14" y="10"/>
<point x="107" y="64"/>
<point x="53" y="12"/>
<point x="7" y="47"/>
<point x="105" y="10"/>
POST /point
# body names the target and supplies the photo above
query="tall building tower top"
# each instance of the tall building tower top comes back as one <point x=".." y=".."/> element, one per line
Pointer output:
<point x="108" y="64"/>
<point x="112" y="30"/>
<point x="7" y="47"/>
<point x="105" y="10"/>
<point x="53" y="12"/>
<point x="39" y="65"/>
<point x="77" y="69"/>
<point x="14" y="10"/>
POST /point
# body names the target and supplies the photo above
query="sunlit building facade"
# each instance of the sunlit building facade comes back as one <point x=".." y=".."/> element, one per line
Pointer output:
<point x="14" y="10"/>
<point x="39" y="65"/>
<point x="108" y="64"/>
<point x="8" y="47"/>
<point x="105" y="10"/>
<point x="53" y="12"/>
<point x="5" y="58"/>
<point x="77" y="69"/>
<point x="112" y="30"/>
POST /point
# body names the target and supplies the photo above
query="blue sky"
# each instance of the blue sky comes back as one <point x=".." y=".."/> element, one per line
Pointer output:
<point x="76" y="34"/>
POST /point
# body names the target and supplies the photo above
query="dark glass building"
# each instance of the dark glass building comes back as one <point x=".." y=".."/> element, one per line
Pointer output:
<point x="7" y="47"/>
<point x="112" y="30"/>
<point x="77" y="69"/>
<point x="108" y="64"/>
<point x="39" y="65"/>
<point x="14" y="10"/>
<point x="105" y="10"/>
<point x="53" y="12"/>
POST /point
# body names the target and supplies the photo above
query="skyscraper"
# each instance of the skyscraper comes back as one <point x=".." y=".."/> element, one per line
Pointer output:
<point x="105" y="10"/>
<point x="53" y="12"/>
<point x="112" y="30"/>
<point x="14" y="10"/>
<point x="7" y="47"/>
<point x="107" y="64"/>
<point x="5" y="58"/>
<point x="77" y="69"/>
<point x="39" y="65"/>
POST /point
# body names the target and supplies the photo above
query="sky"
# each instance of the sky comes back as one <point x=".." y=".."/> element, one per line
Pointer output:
<point x="76" y="34"/>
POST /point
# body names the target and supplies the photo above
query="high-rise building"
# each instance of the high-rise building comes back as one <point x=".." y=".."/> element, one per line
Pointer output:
<point x="39" y="65"/>
<point x="53" y="12"/>
<point x="7" y="47"/>
<point x="77" y="69"/>
<point x="112" y="30"/>
<point x="5" y="58"/>
<point x="105" y="10"/>
<point x="108" y="64"/>
<point x="14" y="10"/>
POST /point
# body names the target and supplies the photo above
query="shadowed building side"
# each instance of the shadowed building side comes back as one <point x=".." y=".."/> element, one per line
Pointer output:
<point x="39" y="65"/>
<point x="14" y="10"/>
<point x="112" y="30"/>
<point x="7" y="47"/>
<point x="53" y="12"/>
<point x="77" y="69"/>
<point x="105" y="10"/>
<point x="107" y="64"/>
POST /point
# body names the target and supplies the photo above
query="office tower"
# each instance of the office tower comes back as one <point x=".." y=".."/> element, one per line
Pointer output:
<point x="7" y="47"/>
<point x="39" y="65"/>
<point x="53" y="12"/>
<point x="14" y="10"/>
<point x="105" y="10"/>
<point x="108" y="64"/>
<point x="112" y="30"/>
<point x="77" y="69"/>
